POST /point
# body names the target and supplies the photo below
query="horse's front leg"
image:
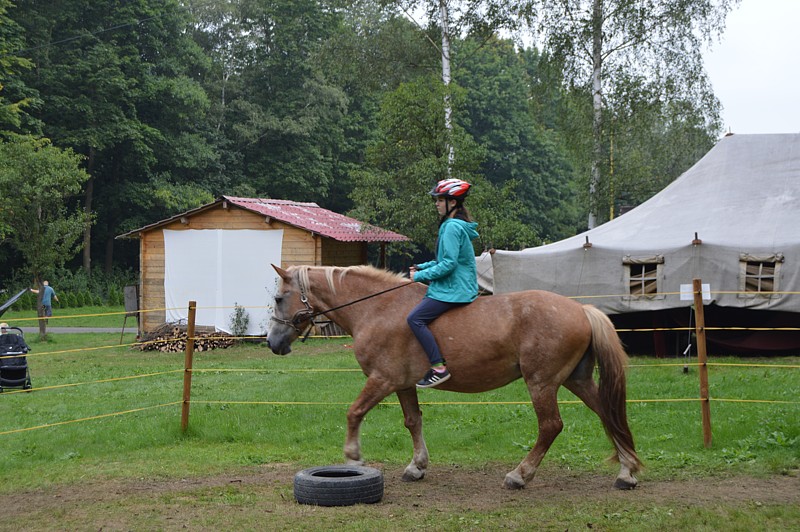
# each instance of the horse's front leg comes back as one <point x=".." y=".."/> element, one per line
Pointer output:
<point x="413" y="421"/>
<point x="373" y="393"/>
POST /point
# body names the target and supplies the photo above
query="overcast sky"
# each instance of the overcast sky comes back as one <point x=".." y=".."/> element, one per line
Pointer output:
<point x="755" y="70"/>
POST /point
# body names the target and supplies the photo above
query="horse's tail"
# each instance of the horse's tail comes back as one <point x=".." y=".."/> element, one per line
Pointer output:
<point x="612" y="361"/>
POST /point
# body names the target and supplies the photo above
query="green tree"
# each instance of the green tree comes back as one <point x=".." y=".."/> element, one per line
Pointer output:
<point x="598" y="42"/>
<point x="648" y="142"/>
<point x="42" y="221"/>
<point x="15" y="98"/>
<point x="411" y="155"/>
<point x="499" y="79"/>
<point x="369" y="55"/>
<point x="453" y="20"/>
<point x="281" y="118"/>
<point x="116" y="79"/>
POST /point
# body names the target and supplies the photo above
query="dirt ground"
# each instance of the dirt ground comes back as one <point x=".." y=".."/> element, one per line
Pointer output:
<point x="444" y="488"/>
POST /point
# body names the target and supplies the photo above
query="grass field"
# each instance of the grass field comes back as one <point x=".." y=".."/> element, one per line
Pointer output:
<point x="110" y="413"/>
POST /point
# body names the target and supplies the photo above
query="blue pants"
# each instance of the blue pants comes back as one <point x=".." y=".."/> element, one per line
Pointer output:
<point x="418" y="319"/>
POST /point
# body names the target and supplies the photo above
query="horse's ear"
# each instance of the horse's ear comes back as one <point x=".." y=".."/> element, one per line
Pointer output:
<point x="283" y="273"/>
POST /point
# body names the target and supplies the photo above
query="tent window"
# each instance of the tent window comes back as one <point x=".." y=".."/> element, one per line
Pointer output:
<point x="643" y="276"/>
<point x="759" y="274"/>
<point x="643" y="279"/>
<point x="759" y="277"/>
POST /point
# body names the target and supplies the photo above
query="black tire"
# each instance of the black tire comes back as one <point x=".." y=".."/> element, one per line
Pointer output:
<point x="338" y="485"/>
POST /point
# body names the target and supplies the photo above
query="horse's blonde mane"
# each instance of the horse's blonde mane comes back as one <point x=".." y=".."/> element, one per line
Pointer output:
<point x="365" y="270"/>
<point x="375" y="273"/>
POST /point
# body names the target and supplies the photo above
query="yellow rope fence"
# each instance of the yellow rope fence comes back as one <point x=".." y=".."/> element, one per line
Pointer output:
<point x="92" y="418"/>
<point x="387" y="403"/>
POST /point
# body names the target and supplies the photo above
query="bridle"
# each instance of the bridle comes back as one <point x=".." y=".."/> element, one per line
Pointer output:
<point x="308" y="314"/>
<point x="303" y="315"/>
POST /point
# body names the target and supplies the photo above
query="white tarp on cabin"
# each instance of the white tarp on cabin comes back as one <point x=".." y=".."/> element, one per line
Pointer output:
<point x="220" y="269"/>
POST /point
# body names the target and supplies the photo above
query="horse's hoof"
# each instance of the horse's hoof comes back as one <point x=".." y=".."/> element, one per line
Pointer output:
<point x="622" y="484"/>
<point x="412" y="474"/>
<point x="513" y="482"/>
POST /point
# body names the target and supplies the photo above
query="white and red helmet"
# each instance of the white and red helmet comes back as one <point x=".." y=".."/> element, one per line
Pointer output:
<point x="451" y="188"/>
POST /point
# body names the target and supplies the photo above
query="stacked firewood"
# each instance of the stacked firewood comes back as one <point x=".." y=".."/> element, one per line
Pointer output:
<point x="171" y="338"/>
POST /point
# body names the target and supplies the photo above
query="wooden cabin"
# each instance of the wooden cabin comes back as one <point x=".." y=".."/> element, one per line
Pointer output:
<point x="304" y="233"/>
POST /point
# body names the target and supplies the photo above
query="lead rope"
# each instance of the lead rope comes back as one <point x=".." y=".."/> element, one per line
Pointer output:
<point x="314" y="314"/>
<point x="310" y="317"/>
<point x="320" y="312"/>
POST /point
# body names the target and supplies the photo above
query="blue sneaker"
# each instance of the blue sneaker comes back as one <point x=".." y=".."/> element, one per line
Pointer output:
<point x="433" y="378"/>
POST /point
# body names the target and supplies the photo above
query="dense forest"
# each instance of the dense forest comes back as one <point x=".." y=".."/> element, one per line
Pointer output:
<point x="118" y="113"/>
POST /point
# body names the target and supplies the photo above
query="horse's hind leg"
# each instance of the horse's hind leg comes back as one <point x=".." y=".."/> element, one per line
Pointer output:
<point x="586" y="390"/>
<point x="413" y="421"/>
<point x="546" y="406"/>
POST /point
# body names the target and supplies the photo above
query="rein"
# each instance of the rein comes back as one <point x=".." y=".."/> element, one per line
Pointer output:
<point x="308" y="314"/>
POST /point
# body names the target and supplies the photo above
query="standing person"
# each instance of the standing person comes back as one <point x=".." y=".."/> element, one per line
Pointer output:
<point x="47" y="298"/>
<point x="452" y="276"/>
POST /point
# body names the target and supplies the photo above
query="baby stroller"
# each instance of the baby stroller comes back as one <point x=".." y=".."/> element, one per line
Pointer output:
<point x="14" y="371"/>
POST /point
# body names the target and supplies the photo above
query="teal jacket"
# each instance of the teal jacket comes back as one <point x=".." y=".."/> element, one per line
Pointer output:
<point x="453" y="276"/>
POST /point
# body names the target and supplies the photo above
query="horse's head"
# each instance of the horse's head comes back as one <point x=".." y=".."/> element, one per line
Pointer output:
<point x="291" y="313"/>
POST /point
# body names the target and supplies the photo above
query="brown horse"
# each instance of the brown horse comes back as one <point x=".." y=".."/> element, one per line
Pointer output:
<point x="546" y="339"/>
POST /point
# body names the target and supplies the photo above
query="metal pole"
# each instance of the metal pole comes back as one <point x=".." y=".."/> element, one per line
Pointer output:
<point x="700" y="329"/>
<point x="187" y="366"/>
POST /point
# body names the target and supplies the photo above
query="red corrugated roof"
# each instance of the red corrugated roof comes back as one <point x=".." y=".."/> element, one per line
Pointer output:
<point x="308" y="216"/>
<point x="312" y="217"/>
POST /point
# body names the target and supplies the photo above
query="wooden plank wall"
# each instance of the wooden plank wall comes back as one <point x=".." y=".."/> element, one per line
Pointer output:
<point x="299" y="247"/>
<point x="335" y="253"/>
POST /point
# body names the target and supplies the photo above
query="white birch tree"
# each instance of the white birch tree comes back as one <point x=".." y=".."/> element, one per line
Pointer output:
<point x="661" y="39"/>
<point x="457" y="18"/>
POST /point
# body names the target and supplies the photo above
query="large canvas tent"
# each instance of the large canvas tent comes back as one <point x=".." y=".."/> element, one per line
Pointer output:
<point x="732" y="220"/>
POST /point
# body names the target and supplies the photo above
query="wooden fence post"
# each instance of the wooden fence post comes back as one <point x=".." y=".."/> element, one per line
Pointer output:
<point x="187" y="366"/>
<point x="702" y="358"/>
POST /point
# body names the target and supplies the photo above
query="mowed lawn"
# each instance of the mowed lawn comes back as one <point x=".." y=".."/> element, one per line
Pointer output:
<point x="102" y="412"/>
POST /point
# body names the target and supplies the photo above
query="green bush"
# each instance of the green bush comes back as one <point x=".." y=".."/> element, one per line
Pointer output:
<point x="239" y="320"/>
<point x="26" y="302"/>
<point x="116" y="297"/>
<point x="101" y="288"/>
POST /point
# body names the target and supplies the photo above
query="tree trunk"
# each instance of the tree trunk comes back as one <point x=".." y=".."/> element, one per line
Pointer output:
<point x="87" y="208"/>
<point x="448" y="109"/>
<point x="597" y="106"/>
<point x="225" y="76"/>
<point x="37" y="280"/>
